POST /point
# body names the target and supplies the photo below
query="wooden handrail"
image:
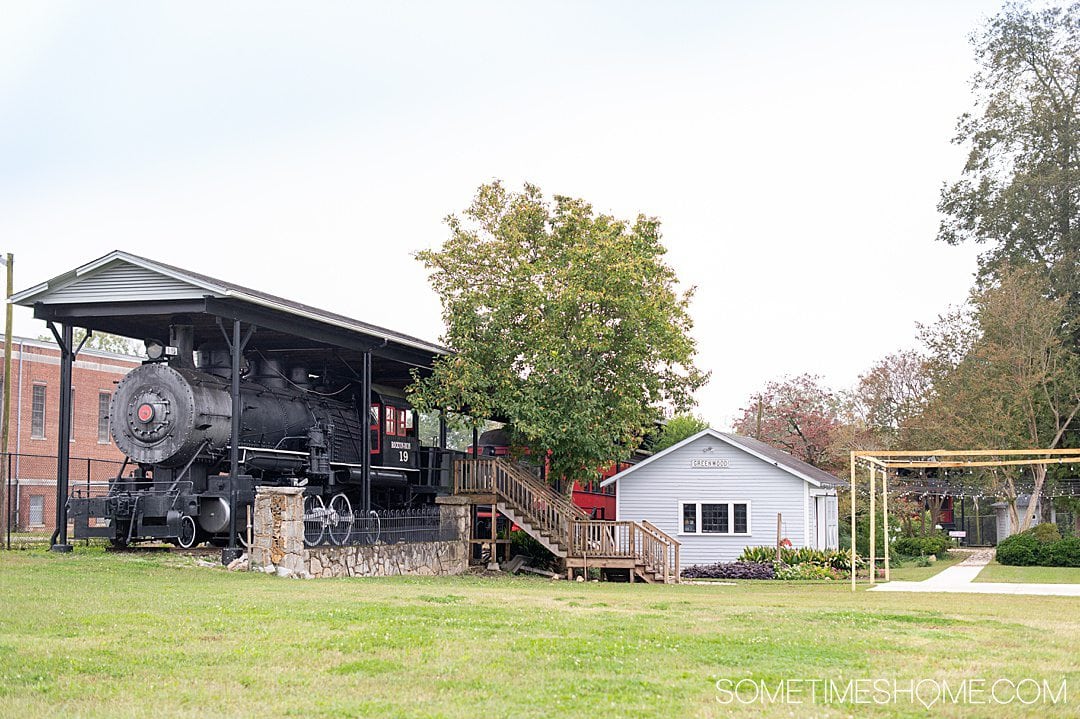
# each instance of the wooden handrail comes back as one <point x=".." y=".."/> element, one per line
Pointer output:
<point x="539" y="504"/>
<point x="556" y="516"/>
<point x="656" y="530"/>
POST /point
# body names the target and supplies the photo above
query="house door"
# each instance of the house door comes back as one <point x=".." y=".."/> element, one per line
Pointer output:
<point x="821" y="522"/>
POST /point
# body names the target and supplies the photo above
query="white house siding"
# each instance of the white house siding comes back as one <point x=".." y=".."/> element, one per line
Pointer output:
<point x="653" y="493"/>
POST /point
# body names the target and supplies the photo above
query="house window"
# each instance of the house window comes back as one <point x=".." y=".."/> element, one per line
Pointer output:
<point x="715" y="517"/>
<point x="37" y="412"/>
<point x="740" y="519"/>
<point x="689" y="519"/>
<point x="103" y="417"/>
<point x="37" y="510"/>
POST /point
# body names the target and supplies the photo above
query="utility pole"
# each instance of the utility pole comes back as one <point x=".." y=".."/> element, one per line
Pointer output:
<point x="9" y="262"/>
<point x="757" y="434"/>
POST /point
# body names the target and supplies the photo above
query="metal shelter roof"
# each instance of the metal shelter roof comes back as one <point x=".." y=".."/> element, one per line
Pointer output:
<point x="136" y="297"/>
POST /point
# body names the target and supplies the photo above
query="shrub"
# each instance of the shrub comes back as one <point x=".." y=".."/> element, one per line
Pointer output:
<point x="539" y="555"/>
<point x="1046" y="533"/>
<point x="730" y="570"/>
<point x="1038" y="547"/>
<point x="806" y="571"/>
<point x="1065" y="553"/>
<point x="1020" y="550"/>
<point x="837" y="559"/>
<point x="936" y="543"/>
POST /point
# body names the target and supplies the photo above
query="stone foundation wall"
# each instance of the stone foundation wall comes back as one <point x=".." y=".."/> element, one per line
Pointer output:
<point x="278" y="543"/>
<point x="425" y="559"/>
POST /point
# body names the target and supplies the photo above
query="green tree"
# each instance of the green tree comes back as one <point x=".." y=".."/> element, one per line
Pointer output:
<point x="101" y="341"/>
<point x="677" y="429"/>
<point x="1020" y="189"/>
<point x="565" y="322"/>
<point x="1005" y="377"/>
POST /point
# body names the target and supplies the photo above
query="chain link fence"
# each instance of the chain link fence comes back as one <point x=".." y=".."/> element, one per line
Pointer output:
<point x="29" y="483"/>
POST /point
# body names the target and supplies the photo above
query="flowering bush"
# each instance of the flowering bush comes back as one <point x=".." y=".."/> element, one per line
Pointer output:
<point x="806" y="571"/>
<point x="834" y="558"/>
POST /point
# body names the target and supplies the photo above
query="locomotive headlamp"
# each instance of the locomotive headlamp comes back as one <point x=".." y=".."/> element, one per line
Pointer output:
<point x="157" y="350"/>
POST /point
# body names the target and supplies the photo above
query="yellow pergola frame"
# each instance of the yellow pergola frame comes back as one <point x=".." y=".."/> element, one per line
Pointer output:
<point x="880" y="462"/>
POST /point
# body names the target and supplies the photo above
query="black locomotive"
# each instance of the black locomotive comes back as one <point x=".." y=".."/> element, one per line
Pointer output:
<point x="172" y="418"/>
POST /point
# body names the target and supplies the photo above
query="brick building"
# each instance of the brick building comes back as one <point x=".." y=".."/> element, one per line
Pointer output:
<point x="35" y="380"/>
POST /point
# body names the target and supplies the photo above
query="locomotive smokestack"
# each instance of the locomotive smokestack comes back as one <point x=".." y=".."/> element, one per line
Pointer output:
<point x="182" y="337"/>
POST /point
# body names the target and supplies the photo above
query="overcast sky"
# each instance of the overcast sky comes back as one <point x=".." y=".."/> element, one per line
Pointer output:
<point x="794" y="152"/>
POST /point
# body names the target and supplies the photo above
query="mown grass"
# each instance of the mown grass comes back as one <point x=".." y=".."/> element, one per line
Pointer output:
<point x="995" y="572"/>
<point x="908" y="572"/>
<point x="96" y="635"/>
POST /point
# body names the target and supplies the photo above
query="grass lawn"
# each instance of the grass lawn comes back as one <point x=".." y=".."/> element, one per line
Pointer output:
<point x="911" y="573"/>
<point x="96" y="635"/>
<point x="995" y="572"/>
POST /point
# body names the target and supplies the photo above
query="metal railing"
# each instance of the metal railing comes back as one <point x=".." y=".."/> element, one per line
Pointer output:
<point x="324" y="526"/>
<point x="29" y="490"/>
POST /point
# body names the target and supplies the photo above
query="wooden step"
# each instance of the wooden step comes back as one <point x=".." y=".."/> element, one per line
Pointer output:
<point x="551" y="544"/>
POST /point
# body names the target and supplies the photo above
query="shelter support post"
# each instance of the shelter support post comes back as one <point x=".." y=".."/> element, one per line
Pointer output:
<point x="885" y="516"/>
<point x="873" y="526"/>
<point x="851" y="490"/>
<point x="365" y="436"/>
<point x="236" y="347"/>
<point x="64" y="338"/>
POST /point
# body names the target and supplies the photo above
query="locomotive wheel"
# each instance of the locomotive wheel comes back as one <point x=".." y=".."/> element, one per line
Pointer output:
<point x="339" y="519"/>
<point x="186" y="540"/>
<point x="314" y="520"/>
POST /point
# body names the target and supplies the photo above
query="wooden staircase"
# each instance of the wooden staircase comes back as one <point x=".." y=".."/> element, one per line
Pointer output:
<point x="563" y="528"/>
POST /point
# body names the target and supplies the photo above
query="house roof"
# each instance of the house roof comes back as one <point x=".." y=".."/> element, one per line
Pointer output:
<point x="137" y="297"/>
<point x="767" y="453"/>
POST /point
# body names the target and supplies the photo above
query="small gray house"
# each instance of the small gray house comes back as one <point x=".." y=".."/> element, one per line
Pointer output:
<point x="717" y="493"/>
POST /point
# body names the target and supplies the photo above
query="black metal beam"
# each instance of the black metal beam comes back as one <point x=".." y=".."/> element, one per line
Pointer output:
<point x="65" y="339"/>
<point x="231" y="552"/>
<point x="365" y="436"/>
<point x="62" y="313"/>
<point x="317" y="331"/>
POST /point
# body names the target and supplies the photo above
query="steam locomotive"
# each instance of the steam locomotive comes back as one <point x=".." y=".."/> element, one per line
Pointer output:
<point x="172" y="419"/>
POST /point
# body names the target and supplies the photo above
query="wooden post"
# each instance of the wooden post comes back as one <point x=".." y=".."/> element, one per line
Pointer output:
<point x="493" y="563"/>
<point x="873" y="525"/>
<point x="885" y="515"/>
<point x="851" y="488"/>
<point x="779" y="533"/>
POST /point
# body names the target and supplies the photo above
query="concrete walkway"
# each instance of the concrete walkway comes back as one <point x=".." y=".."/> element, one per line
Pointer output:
<point x="960" y="579"/>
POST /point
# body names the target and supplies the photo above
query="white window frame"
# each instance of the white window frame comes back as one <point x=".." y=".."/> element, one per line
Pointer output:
<point x="103" y="416"/>
<point x="731" y="518"/>
<point x="44" y="410"/>
<point x="31" y="510"/>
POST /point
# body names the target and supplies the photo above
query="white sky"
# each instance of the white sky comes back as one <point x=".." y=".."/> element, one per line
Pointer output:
<point x="793" y="151"/>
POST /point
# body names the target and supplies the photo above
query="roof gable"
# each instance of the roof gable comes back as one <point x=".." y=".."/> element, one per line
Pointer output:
<point x="782" y="460"/>
<point x="118" y="277"/>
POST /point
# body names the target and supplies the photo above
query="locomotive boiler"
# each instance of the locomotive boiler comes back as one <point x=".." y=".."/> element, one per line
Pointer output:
<point x="172" y="419"/>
